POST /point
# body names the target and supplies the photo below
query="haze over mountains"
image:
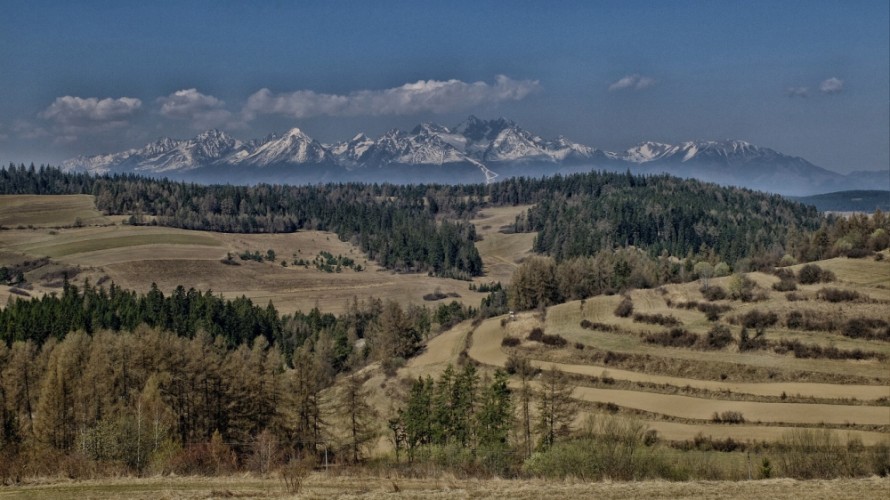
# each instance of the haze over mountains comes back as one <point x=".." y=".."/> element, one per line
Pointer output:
<point x="466" y="153"/>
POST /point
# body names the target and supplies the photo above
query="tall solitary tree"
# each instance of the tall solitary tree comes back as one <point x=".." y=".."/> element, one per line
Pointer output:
<point x="556" y="407"/>
<point x="360" y="414"/>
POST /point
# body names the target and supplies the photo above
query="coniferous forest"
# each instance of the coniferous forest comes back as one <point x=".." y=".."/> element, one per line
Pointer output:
<point x="423" y="227"/>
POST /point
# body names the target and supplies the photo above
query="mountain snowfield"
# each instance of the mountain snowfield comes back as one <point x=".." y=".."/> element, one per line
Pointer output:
<point x="469" y="152"/>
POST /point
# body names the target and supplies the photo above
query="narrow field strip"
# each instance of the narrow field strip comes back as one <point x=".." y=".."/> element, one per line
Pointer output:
<point x="704" y="409"/>
<point x="92" y="245"/>
<point x="828" y="391"/>
<point x="678" y="431"/>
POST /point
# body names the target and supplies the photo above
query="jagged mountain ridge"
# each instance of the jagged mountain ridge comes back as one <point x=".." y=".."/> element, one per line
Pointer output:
<point x="435" y="153"/>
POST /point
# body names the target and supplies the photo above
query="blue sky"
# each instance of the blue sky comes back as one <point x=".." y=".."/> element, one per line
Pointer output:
<point x="807" y="78"/>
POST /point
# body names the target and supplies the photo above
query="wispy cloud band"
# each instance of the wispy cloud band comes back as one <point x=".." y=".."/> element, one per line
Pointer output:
<point x="435" y="96"/>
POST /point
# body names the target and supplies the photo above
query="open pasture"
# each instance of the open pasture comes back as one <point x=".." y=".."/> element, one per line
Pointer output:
<point x="49" y="211"/>
<point x="134" y="257"/>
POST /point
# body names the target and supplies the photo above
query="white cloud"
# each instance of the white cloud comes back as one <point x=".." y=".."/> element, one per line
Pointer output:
<point x="77" y="110"/>
<point x="422" y="96"/>
<point x="832" y="85"/>
<point x="798" y="92"/>
<point x="73" y="117"/>
<point x="634" y="81"/>
<point x="204" y="111"/>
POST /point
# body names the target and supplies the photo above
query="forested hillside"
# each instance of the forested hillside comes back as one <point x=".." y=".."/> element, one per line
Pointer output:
<point x="424" y="227"/>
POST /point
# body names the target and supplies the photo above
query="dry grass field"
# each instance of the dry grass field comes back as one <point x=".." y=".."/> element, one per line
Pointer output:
<point x="135" y="257"/>
<point x="49" y="210"/>
<point x="501" y="253"/>
<point x="323" y="486"/>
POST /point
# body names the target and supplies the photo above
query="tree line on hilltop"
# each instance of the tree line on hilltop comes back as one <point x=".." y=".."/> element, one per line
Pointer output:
<point x="426" y="228"/>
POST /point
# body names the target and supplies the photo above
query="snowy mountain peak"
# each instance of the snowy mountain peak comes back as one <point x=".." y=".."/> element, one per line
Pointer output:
<point x="648" y="151"/>
<point x="296" y="133"/>
<point x="479" y="144"/>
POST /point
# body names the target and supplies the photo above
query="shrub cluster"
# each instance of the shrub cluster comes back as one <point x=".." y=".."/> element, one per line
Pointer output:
<point x="713" y="292"/>
<point x="749" y="343"/>
<point x="510" y="342"/>
<point x="802" y="350"/>
<point x="713" y="311"/>
<point x="867" y="328"/>
<point x="812" y="320"/>
<point x="758" y="319"/>
<point x="537" y="334"/>
<point x="625" y="308"/>
<point x="555" y="340"/>
<point x="656" y="319"/>
<point x="675" y="337"/>
<point x="718" y="337"/>
<point x="603" y="327"/>
<point x="811" y="274"/>
<point x="838" y="295"/>
<point x="728" y="417"/>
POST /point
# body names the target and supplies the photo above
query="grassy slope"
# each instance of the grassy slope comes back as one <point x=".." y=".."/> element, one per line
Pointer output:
<point x="48" y="211"/>
<point x="134" y="257"/>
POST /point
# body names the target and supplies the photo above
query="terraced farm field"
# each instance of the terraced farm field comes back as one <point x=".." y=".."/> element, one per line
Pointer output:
<point x="678" y="390"/>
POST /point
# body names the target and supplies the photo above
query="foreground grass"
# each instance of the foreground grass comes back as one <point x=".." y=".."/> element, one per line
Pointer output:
<point x="321" y="486"/>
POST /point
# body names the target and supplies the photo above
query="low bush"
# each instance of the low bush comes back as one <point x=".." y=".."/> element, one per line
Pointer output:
<point x="536" y="335"/>
<point x="748" y="343"/>
<point x="675" y="337"/>
<point x="294" y="474"/>
<point x="804" y="351"/>
<point x="858" y="253"/>
<point x="554" y="340"/>
<point x="591" y="325"/>
<point x="707" y="443"/>
<point x="519" y="365"/>
<point x="812" y="320"/>
<point x="625" y="308"/>
<point x="713" y="293"/>
<point x="656" y="319"/>
<point x="713" y="311"/>
<point x="785" y="285"/>
<point x="510" y="342"/>
<point x="866" y="328"/>
<point x="437" y="295"/>
<point x="728" y="417"/>
<point x="811" y="274"/>
<point x="838" y="295"/>
<point x="741" y="287"/>
<point x="718" y="337"/>
<point x="758" y="319"/>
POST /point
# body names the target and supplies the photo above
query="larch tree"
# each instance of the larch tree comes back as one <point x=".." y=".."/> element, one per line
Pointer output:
<point x="556" y="406"/>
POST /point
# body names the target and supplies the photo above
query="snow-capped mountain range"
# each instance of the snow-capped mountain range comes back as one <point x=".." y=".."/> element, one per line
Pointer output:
<point x="468" y="152"/>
